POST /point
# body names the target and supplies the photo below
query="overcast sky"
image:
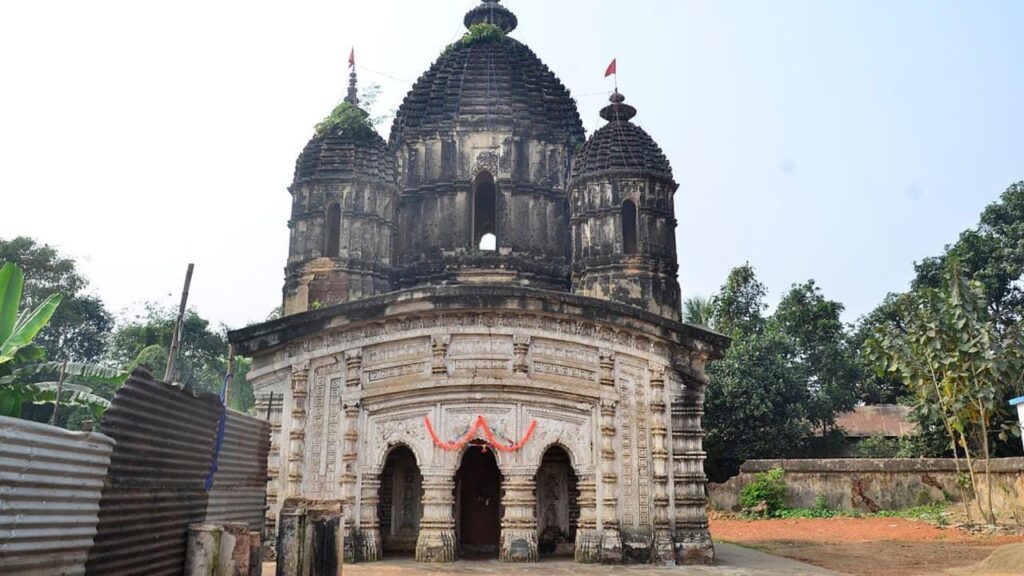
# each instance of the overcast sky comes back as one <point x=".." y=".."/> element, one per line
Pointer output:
<point x="839" y="141"/>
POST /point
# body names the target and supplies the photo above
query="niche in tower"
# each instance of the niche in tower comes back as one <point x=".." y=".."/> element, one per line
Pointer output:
<point x="485" y="212"/>
<point x="333" y="231"/>
<point x="629" y="226"/>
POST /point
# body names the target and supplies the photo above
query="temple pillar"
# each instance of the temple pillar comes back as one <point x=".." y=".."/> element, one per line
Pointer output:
<point x="297" y="433"/>
<point x="588" y="540"/>
<point x="692" y="538"/>
<point x="519" y="524"/>
<point x="369" y="548"/>
<point x="611" y="538"/>
<point x="350" y="446"/>
<point x="663" y="551"/>
<point x="436" y="541"/>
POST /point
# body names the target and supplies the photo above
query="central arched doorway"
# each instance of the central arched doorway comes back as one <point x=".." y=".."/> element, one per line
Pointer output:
<point x="400" y="503"/>
<point x="478" y="497"/>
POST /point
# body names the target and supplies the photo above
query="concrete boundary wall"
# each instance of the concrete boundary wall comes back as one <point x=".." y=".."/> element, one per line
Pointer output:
<point x="50" y="484"/>
<point x="870" y="484"/>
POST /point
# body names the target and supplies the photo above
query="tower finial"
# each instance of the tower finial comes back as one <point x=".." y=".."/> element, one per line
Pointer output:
<point x="618" y="109"/>
<point x="352" y="97"/>
<point x="492" y="12"/>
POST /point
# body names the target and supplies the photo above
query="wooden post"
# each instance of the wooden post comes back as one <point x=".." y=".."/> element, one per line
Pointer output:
<point x="60" y="388"/>
<point x="231" y="373"/>
<point x="172" y="355"/>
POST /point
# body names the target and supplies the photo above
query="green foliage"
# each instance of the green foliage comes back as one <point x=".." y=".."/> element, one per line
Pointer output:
<point x="878" y="446"/>
<point x="768" y="489"/>
<point x="477" y="34"/>
<point x="347" y="119"/>
<point x="826" y="358"/>
<point x="202" y="358"/>
<point x="740" y="305"/>
<point x="699" y="310"/>
<point x="961" y="359"/>
<point x="78" y="329"/>
<point x="789" y="373"/>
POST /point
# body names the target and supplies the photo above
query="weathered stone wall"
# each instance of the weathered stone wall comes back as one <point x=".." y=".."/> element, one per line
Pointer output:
<point x="435" y="238"/>
<point x="624" y="404"/>
<point x="360" y="265"/>
<point x="603" y="265"/>
<point x="873" y="484"/>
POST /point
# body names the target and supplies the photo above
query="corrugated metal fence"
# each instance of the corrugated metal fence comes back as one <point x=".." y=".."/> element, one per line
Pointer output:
<point x="50" y="484"/>
<point x="165" y="438"/>
<point x="239" y="492"/>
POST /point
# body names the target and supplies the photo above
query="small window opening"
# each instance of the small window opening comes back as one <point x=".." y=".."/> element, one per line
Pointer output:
<point x="629" y="226"/>
<point x="489" y="242"/>
<point x="485" y="212"/>
<point x="333" y="231"/>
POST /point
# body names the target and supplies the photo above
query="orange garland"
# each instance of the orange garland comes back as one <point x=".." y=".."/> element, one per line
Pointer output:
<point x="479" y="423"/>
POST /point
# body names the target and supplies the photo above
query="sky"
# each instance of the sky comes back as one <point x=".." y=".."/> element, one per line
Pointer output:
<point x="839" y="141"/>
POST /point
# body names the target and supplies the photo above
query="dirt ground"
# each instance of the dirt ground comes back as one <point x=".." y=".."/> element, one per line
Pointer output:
<point x="876" y="546"/>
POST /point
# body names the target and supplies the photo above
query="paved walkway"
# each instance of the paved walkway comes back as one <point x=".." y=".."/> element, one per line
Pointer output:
<point x="732" y="561"/>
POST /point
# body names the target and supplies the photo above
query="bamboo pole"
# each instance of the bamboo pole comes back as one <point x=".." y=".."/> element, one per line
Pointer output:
<point x="172" y="355"/>
<point x="60" y="388"/>
<point x="231" y="374"/>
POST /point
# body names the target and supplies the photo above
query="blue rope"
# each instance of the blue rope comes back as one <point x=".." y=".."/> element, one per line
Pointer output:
<point x="220" y="431"/>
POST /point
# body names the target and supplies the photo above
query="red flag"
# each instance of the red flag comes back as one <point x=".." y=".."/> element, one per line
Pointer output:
<point x="611" y="69"/>
<point x="352" y="57"/>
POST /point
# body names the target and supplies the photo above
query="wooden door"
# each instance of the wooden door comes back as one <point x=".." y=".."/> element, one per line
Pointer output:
<point x="479" y="502"/>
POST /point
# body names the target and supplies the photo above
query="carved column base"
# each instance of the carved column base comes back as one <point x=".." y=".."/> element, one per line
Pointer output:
<point x="518" y="545"/>
<point x="588" y="546"/>
<point x="611" y="546"/>
<point x="436" y="545"/>
<point x="350" y="544"/>
<point x="368" y="545"/>
<point x="663" y="551"/>
<point x="694" y="546"/>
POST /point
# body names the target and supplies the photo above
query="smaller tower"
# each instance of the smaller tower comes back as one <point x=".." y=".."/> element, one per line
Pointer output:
<point x="343" y="205"/>
<point x="623" y="220"/>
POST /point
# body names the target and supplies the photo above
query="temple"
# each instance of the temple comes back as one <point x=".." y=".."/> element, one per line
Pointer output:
<point x="481" y="351"/>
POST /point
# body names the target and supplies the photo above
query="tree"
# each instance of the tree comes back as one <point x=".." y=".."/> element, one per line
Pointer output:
<point x="875" y="387"/>
<point x="992" y="254"/>
<point x="699" y="310"/>
<point x="756" y="404"/>
<point x="739" y="306"/>
<point x="961" y="360"/>
<point x="78" y="329"/>
<point x="825" y="356"/>
<point x="202" y="357"/>
<point x="18" y="329"/>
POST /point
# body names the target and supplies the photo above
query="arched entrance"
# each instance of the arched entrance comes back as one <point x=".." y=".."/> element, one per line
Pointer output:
<point x="400" y="504"/>
<point x="558" y="510"/>
<point x="478" y="498"/>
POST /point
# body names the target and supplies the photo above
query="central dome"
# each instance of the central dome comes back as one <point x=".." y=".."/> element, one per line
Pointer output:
<point x="488" y="81"/>
<point x="483" y="145"/>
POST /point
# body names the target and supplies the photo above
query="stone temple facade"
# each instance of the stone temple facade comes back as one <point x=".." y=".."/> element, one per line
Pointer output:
<point x="482" y="351"/>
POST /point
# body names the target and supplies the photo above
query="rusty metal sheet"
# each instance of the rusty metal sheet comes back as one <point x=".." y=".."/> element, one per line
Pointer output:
<point x="50" y="484"/>
<point x="239" y="492"/>
<point x="165" y="437"/>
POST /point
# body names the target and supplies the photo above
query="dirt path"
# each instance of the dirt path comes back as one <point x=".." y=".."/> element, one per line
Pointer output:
<point x="863" y="546"/>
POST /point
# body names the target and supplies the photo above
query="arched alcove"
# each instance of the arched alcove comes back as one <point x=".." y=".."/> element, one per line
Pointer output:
<point x="629" y="227"/>
<point x="558" y="510"/>
<point x="485" y="211"/>
<point x="400" y="502"/>
<point x="333" y="238"/>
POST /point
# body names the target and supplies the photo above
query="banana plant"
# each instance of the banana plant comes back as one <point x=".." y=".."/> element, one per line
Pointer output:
<point x="24" y="376"/>
<point x="17" y="330"/>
